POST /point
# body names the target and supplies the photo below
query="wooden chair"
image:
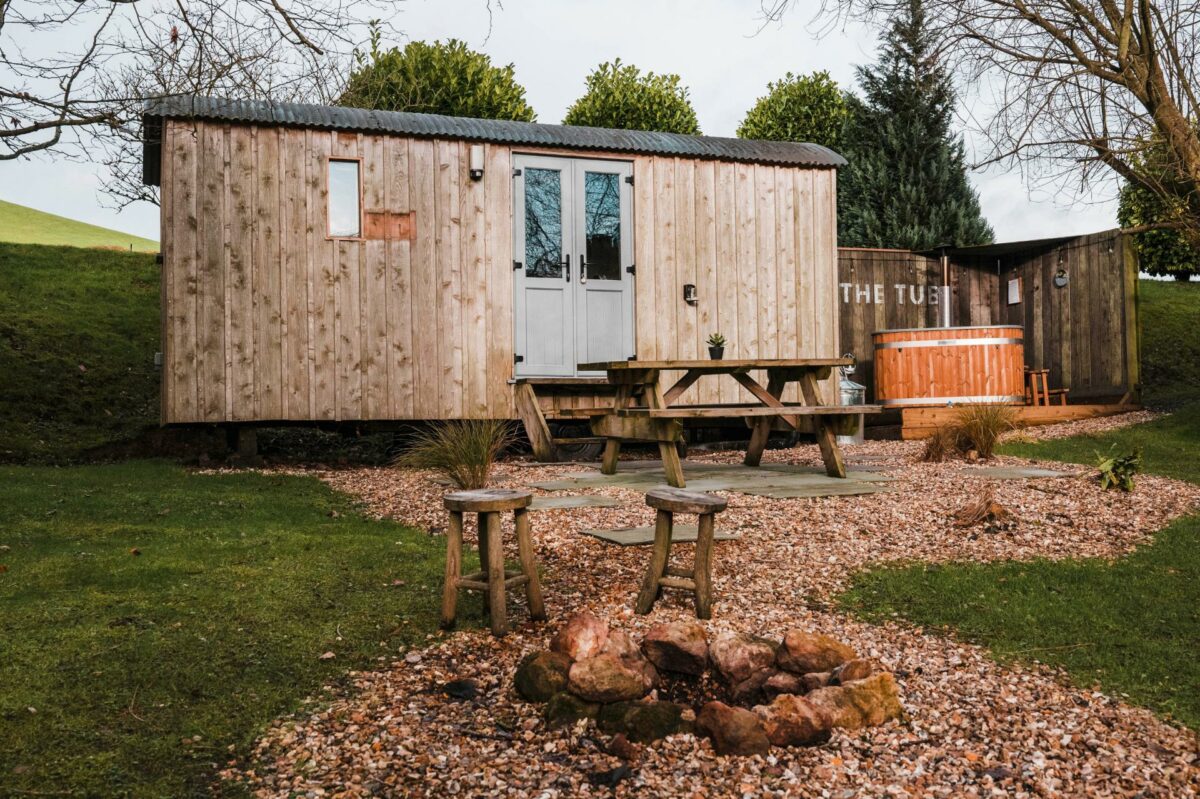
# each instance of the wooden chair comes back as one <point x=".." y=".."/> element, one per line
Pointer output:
<point x="489" y="503"/>
<point x="660" y="574"/>
<point x="1039" y="391"/>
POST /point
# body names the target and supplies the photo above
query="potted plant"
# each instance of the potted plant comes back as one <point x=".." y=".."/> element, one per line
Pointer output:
<point x="716" y="346"/>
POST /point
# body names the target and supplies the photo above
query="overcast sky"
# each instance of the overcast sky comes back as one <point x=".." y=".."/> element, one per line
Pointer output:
<point x="553" y="44"/>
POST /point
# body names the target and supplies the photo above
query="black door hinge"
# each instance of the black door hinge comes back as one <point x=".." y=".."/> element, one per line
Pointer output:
<point x="516" y="173"/>
<point x="518" y="358"/>
<point x="631" y="358"/>
<point x="629" y="179"/>
<point x="631" y="269"/>
<point x="517" y="265"/>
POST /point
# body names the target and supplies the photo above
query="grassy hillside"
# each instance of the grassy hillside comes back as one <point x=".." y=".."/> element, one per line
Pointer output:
<point x="1170" y="315"/>
<point x="22" y="225"/>
<point x="78" y="333"/>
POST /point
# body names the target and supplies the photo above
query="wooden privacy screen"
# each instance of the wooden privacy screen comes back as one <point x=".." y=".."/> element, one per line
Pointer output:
<point x="1084" y="332"/>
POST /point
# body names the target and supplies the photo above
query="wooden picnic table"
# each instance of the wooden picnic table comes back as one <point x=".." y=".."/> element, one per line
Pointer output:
<point x="658" y="419"/>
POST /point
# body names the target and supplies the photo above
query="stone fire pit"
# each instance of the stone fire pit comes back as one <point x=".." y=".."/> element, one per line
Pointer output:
<point x="751" y="693"/>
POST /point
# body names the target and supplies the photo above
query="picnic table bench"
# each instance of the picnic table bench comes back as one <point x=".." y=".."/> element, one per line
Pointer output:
<point x="659" y="420"/>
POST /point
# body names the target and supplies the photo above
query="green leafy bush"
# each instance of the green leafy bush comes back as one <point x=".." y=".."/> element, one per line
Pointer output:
<point x="620" y="96"/>
<point x="1117" y="471"/>
<point x="464" y="451"/>
<point x="804" y="108"/>
<point x="435" y="78"/>
<point x="1161" y="252"/>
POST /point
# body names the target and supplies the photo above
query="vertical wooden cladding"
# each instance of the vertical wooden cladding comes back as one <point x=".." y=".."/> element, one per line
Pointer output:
<point x="266" y="318"/>
<point x="757" y="241"/>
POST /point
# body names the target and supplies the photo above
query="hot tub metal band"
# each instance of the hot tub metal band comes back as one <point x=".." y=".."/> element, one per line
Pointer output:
<point x="951" y="342"/>
<point x="997" y="399"/>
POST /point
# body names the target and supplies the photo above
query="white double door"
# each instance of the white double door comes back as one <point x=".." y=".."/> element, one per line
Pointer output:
<point x="572" y="263"/>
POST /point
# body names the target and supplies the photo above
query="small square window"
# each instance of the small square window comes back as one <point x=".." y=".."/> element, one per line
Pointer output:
<point x="345" y="216"/>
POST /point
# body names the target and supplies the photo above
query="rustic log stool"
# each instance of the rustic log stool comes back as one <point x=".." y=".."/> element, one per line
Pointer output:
<point x="489" y="503"/>
<point x="660" y="574"/>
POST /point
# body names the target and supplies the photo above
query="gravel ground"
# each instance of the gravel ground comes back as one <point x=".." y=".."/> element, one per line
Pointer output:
<point x="974" y="728"/>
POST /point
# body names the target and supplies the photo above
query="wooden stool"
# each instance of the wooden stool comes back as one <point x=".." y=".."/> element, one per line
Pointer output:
<point x="489" y="503"/>
<point x="660" y="574"/>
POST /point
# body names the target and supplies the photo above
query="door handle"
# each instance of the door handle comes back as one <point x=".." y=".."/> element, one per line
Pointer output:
<point x="566" y="268"/>
<point x="582" y="269"/>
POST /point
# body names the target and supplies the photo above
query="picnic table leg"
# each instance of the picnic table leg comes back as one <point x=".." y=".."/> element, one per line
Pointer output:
<point x="612" y="447"/>
<point x="762" y="426"/>
<point x="666" y="449"/>
<point x="826" y="436"/>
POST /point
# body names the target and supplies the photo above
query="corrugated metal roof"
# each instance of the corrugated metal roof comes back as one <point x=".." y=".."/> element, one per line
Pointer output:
<point x="492" y="130"/>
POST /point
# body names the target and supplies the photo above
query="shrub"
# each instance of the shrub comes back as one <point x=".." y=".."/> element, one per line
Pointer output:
<point x="620" y="96"/>
<point x="805" y="108"/>
<point x="979" y="427"/>
<point x="464" y="451"/>
<point x="435" y="78"/>
<point x="1117" y="471"/>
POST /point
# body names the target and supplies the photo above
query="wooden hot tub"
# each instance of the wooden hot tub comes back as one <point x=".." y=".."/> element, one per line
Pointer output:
<point x="939" y="366"/>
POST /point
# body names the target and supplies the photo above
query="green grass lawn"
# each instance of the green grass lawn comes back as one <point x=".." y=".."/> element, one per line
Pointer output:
<point x="78" y="333"/>
<point x="20" y="224"/>
<point x="153" y="618"/>
<point x="1170" y="318"/>
<point x="1132" y="626"/>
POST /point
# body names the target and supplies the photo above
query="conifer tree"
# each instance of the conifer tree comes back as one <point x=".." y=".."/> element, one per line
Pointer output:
<point x="906" y="183"/>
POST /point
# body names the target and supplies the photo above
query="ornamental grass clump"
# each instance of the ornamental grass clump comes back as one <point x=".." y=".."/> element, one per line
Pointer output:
<point x="979" y="427"/>
<point x="464" y="451"/>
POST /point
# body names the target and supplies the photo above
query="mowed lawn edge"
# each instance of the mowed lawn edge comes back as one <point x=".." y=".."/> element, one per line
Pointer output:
<point x="157" y="619"/>
<point x="1130" y="627"/>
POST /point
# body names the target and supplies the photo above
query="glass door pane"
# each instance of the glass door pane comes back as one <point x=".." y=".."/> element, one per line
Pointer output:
<point x="543" y="223"/>
<point x="602" y="225"/>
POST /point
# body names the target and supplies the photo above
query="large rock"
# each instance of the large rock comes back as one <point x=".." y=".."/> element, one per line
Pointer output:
<point x="643" y="722"/>
<point x="680" y="646"/>
<point x="738" y="656"/>
<point x="860" y="703"/>
<point x="734" y="730"/>
<point x="804" y="652"/>
<point x="815" y="680"/>
<point x="541" y="675"/>
<point x="622" y="647"/>
<point x="751" y="691"/>
<point x="604" y="678"/>
<point x="794" y="721"/>
<point x="857" y="669"/>
<point x="583" y="636"/>
<point x="784" y="682"/>
<point x="565" y="709"/>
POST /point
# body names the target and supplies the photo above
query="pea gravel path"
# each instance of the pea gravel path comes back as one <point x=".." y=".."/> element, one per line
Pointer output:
<point x="974" y="728"/>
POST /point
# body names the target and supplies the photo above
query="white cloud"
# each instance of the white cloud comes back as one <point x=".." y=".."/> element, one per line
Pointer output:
<point x="553" y="44"/>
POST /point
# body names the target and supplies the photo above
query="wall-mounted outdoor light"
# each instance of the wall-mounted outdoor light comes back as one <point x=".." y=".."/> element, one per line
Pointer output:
<point x="689" y="293"/>
<point x="476" y="170"/>
<point x="1060" y="278"/>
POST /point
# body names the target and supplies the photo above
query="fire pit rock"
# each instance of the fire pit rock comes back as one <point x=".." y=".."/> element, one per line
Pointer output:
<point x="762" y="695"/>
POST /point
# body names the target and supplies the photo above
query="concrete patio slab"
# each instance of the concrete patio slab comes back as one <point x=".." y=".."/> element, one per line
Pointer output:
<point x="1016" y="472"/>
<point x="642" y="536"/>
<point x="572" y="501"/>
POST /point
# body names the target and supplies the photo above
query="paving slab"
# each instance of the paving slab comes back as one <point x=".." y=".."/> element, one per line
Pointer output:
<point x="1015" y="472"/>
<point x="573" y="501"/>
<point x="643" y="536"/>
